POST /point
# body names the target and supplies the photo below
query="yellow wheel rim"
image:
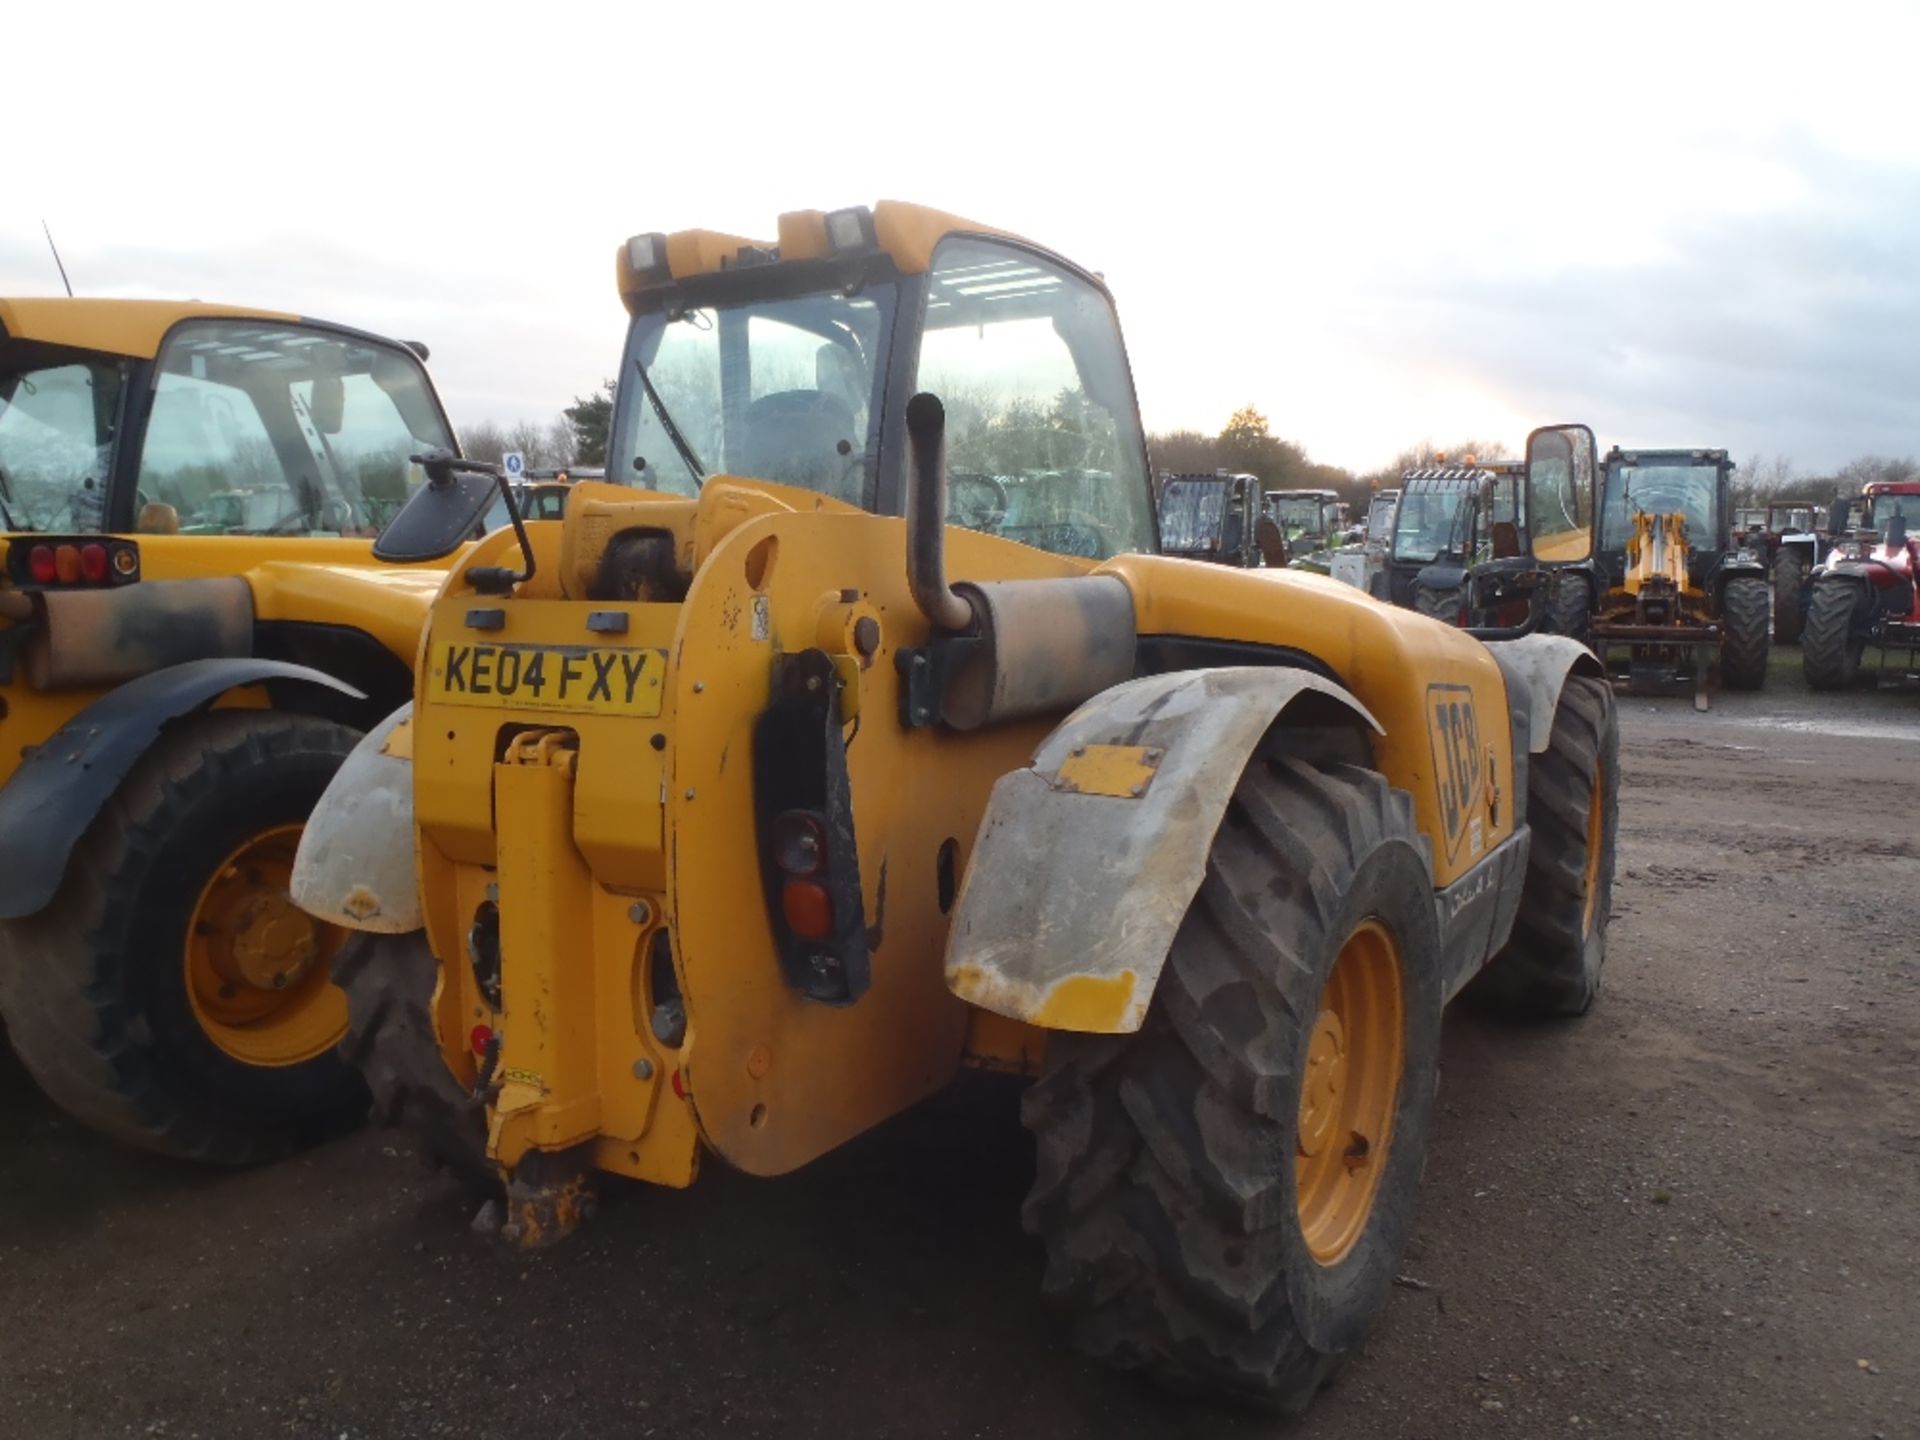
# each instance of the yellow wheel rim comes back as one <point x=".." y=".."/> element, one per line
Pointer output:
<point x="1348" y="1092"/>
<point x="257" y="965"/>
<point x="1596" y="841"/>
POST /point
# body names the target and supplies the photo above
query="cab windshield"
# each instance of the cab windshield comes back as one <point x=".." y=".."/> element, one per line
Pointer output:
<point x="1656" y="489"/>
<point x="780" y="389"/>
<point x="1297" y="516"/>
<point x="1425" y="524"/>
<point x="56" y="440"/>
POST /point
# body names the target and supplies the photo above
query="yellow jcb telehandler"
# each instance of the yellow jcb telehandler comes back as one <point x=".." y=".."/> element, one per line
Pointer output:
<point x="867" y="736"/>
<point x="193" y="635"/>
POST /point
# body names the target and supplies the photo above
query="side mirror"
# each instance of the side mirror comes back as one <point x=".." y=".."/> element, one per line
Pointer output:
<point x="1562" y="461"/>
<point x="328" y="406"/>
<point x="438" y="517"/>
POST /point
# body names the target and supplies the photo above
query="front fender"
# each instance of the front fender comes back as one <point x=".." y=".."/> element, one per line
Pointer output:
<point x="58" y="790"/>
<point x="1087" y="859"/>
<point x="355" y="866"/>
<point x="1536" y="668"/>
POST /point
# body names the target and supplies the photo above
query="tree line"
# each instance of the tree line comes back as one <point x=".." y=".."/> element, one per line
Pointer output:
<point x="1246" y="444"/>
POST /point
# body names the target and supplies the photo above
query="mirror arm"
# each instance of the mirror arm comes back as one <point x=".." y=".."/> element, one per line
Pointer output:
<point x="441" y="467"/>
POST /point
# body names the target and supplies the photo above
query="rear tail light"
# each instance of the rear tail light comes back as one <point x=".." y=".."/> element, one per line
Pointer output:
<point x="809" y="863"/>
<point x="53" y="562"/>
<point x="807" y="909"/>
<point x="799" y="843"/>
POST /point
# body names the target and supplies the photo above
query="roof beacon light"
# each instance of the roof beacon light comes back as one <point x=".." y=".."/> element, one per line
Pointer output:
<point x="851" y="230"/>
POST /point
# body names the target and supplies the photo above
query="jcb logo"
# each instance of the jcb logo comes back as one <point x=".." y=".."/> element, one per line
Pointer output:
<point x="1453" y="728"/>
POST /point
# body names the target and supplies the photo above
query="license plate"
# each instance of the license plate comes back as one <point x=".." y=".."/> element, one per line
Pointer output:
<point x="583" y="679"/>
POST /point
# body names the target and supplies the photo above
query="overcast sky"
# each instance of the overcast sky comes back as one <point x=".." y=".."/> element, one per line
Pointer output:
<point x="1684" y="224"/>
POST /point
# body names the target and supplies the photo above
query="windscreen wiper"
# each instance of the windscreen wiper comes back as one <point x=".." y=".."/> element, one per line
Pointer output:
<point x="691" y="460"/>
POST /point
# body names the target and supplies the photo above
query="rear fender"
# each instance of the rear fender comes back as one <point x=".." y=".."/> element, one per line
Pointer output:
<point x="356" y="864"/>
<point x="58" y="790"/>
<point x="1086" y="860"/>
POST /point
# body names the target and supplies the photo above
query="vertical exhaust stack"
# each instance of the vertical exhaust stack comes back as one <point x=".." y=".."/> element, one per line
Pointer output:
<point x="948" y="612"/>
<point x="1001" y="649"/>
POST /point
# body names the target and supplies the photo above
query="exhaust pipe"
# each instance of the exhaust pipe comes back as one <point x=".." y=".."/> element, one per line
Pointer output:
<point x="927" y="518"/>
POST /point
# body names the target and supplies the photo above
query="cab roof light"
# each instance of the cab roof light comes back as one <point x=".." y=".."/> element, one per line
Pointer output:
<point x="647" y="257"/>
<point x="851" y="231"/>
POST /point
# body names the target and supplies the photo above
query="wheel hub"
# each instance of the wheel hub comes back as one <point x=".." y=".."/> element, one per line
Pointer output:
<point x="1325" y="1080"/>
<point x="273" y="943"/>
<point x="257" y="965"/>
<point x="1349" y="1083"/>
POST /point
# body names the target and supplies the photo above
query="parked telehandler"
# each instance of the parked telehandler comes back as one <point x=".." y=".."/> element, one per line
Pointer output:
<point x="192" y="637"/>
<point x="1681" y="602"/>
<point x="738" y="810"/>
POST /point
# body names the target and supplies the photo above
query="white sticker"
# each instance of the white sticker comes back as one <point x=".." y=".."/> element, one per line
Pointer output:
<point x="762" y="623"/>
<point x="1476" y="837"/>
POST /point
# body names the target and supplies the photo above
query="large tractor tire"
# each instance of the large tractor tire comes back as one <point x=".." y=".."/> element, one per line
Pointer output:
<point x="1226" y="1195"/>
<point x="1789" y="579"/>
<point x="172" y="995"/>
<point x="389" y="982"/>
<point x="1830" y="652"/>
<point x="1570" y="606"/>
<point x="1551" y="963"/>
<point x="1746" y="614"/>
<point x="1439" y="603"/>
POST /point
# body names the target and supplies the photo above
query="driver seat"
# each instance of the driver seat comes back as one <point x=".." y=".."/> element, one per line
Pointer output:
<point x="800" y="437"/>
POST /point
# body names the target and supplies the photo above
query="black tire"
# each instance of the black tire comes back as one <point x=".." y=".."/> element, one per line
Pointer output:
<point x="1164" y="1188"/>
<point x="390" y="980"/>
<point x="94" y="987"/>
<point x="1570" y="606"/>
<point x="1438" y="604"/>
<point x="1830" y="652"/>
<point x="1746" y="614"/>
<point x="1551" y="962"/>
<point x="1789" y="579"/>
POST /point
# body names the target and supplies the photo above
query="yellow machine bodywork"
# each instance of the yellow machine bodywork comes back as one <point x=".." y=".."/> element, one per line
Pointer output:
<point x="599" y="829"/>
<point x="113" y="327"/>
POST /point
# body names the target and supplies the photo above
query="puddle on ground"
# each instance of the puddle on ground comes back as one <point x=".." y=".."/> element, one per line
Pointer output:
<point x="1843" y="729"/>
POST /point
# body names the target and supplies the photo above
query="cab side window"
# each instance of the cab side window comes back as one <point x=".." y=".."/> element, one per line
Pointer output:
<point x="1043" y="440"/>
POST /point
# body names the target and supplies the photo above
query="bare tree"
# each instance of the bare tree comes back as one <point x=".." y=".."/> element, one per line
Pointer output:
<point x="484" y="441"/>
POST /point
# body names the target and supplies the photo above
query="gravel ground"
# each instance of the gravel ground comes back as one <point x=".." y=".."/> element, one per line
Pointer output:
<point x="1690" y="1214"/>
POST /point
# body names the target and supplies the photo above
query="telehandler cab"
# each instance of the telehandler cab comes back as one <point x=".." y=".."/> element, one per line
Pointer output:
<point x="750" y="803"/>
<point x="192" y="637"/>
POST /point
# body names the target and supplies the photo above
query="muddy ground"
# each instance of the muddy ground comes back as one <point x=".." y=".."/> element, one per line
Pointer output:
<point x="1694" y="1213"/>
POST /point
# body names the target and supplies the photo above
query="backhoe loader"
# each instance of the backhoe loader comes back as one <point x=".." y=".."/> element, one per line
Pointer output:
<point x="738" y="810"/>
<point x="193" y="635"/>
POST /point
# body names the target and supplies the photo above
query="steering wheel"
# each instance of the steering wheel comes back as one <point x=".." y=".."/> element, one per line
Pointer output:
<point x="1074" y="533"/>
<point x="984" y="508"/>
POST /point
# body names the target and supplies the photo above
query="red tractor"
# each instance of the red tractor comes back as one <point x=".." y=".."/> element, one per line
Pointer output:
<point x="1865" y="593"/>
